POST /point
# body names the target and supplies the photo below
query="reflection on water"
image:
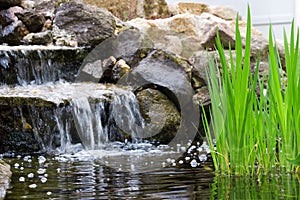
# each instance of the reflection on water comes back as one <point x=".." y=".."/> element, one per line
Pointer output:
<point x="52" y="178"/>
<point x="279" y="186"/>
<point x="90" y="179"/>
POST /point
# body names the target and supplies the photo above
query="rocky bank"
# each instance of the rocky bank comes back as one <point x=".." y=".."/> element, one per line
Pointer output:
<point x="108" y="49"/>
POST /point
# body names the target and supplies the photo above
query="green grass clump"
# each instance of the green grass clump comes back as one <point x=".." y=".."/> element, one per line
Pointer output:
<point x="254" y="133"/>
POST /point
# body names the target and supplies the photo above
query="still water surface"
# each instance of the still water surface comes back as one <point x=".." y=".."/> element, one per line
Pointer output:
<point x="38" y="177"/>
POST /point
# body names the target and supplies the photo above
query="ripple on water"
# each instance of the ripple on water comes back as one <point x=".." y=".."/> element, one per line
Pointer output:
<point x="90" y="174"/>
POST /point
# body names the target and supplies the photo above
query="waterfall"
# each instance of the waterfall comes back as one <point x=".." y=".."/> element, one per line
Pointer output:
<point x="38" y="64"/>
<point x="55" y="117"/>
<point x="88" y="122"/>
<point x="42" y="67"/>
<point x="97" y="128"/>
<point x="63" y="126"/>
<point x="126" y="114"/>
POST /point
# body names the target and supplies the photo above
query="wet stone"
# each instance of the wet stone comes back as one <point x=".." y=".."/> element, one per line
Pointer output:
<point x="41" y="118"/>
<point x="39" y="64"/>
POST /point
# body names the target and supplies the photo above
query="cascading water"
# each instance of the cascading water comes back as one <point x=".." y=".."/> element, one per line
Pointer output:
<point x="54" y="114"/>
<point x="125" y="112"/>
<point x="42" y="69"/>
<point x="39" y="64"/>
<point x="88" y="122"/>
<point x="97" y="128"/>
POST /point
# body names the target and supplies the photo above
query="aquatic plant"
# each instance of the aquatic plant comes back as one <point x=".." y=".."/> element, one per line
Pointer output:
<point x="254" y="131"/>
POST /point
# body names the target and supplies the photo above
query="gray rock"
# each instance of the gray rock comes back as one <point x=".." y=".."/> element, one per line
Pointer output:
<point x="33" y="20"/>
<point x="213" y="24"/>
<point x="171" y="75"/>
<point x="8" y="16"/>
<point x="28" y="4"/>
<point x="47" y="8"/>
<point x="130" y="45"/>
<point x="62" y="38"/>
<point x="119" y="69"/>
<point x="157" y="110"/>
<point x="89" y="24"/>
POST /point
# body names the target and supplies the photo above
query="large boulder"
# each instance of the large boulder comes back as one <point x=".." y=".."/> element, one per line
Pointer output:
<point x="89" y="24"/>
<point x="157" y="110"/>
<point x="171" y="75"/>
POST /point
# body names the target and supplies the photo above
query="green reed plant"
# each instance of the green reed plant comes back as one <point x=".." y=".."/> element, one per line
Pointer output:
<point x="286" y="100"/>
<point x="253" y="132"/>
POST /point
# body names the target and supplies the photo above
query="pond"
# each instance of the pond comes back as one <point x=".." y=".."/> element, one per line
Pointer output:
<point x="83" y="175"/>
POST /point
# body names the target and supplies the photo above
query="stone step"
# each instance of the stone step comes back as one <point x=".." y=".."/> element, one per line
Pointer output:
<point x="45" y="117"/>
<point x="39" y="64"/>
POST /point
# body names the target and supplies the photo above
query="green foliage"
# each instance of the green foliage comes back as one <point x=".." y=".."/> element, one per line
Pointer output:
<point x="254" y="133"/>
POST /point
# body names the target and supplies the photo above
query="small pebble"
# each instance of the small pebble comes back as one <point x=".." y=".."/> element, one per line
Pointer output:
<point x="49" y="193"/>
<point x="180" y="162"/>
